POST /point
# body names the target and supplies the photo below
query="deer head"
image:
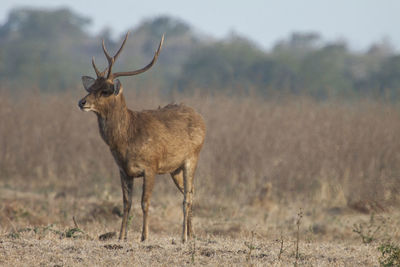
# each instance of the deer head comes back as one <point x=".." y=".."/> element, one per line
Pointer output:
<point x="106" y="90"/>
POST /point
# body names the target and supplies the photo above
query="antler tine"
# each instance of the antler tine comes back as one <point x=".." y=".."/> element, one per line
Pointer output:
<point x="131" y="73"/>
<point x="111" y="60"/>
<point x="122" y="46"/>
<point x="98" y="73"/>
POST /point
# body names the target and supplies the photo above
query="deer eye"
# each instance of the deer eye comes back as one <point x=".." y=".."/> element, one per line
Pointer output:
<point x="106" y="93"/>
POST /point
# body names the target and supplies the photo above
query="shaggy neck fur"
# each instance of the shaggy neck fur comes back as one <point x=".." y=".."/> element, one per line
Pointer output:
<point x="114" y="122"/>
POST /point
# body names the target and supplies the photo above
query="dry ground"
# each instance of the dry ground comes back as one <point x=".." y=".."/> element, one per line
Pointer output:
<point x="225" y="235"/>
<point x="161" y="251"/>
<point x="263" y="162"/>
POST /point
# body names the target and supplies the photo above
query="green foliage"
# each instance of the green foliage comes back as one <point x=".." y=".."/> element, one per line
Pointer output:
<point x="221" y="64"/>
<point x="72" y="232"/>
<point x="301" y="65"/>
<point x="43" y="24"/>
<point x="13" y="235"/>
<point x="38" y="230"/>
<point x="37" y="49"/>
<point x="163" y="24"/>
<point x="50" y="49"/>
<point x="388" y="77"/>
<point x="390" y="254"/>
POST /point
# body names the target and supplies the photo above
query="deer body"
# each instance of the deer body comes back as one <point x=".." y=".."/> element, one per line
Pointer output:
<point x="146" y="143"/>
<point x="159" y="140"/>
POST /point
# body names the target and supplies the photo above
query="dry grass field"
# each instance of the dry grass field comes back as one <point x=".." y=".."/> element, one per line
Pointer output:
<point x="273" y="175"/>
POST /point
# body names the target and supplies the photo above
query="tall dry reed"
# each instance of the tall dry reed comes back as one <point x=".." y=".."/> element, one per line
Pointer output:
<point x="324" y="152"/>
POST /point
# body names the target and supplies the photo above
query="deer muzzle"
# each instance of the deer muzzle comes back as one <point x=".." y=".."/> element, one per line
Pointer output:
<point x="82" y="103"/>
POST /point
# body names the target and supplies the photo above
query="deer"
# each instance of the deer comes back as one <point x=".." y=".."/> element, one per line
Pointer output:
<point x="145" y="143"/>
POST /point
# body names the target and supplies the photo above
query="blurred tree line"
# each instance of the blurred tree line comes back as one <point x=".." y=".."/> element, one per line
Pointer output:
<point x="50" y="50"/>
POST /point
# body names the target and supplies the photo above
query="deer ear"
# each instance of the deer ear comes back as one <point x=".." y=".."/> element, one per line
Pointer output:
<point x="88" y="82"/>
<point x="117" y="87"/>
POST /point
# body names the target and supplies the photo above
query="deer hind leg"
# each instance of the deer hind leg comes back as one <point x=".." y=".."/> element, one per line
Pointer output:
<point x="188" y="192"/>
<point x="177" y="176"/>
<point x="148" y="184"/>
<point x="127" y="189"/>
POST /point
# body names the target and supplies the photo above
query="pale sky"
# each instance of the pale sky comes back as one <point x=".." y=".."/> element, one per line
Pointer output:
<point x="360" y="22"/>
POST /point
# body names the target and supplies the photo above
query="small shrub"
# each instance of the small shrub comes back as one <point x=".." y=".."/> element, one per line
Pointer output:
<point x="250" y="246"/>
<point x="14" y="235"/>
<point x="73" y="232"/>
<point x="368" y="231"/>
<point x="390" y="254"/>
<point x="298" y="222"/>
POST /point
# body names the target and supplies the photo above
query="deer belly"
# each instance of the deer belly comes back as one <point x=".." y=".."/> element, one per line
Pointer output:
<point x="169" y="164"/>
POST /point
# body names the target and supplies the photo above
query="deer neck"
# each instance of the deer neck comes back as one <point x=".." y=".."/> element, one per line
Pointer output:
<point x="114" y="123"/>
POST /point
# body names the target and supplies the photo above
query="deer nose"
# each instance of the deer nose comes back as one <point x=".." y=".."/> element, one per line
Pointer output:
<point x="81" y="103"/>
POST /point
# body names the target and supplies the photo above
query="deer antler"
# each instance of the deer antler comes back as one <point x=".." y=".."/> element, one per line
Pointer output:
<point x="135" y="72"/>
<point x="111" y="60"/>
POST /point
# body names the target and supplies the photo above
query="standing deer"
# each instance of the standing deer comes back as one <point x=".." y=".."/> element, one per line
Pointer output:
<point x="145" y="143"/>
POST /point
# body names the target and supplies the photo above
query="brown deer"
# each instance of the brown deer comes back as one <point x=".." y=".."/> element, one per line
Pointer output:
<point x="145" y="143"/>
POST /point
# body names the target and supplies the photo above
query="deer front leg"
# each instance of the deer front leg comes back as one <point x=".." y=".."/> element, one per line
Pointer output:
<point x="127" y="188"/>
<point x="148" y="184"/>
